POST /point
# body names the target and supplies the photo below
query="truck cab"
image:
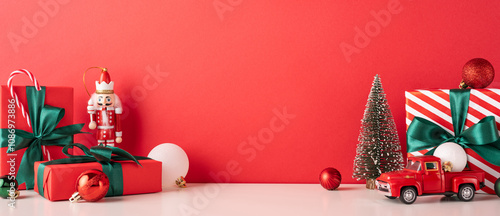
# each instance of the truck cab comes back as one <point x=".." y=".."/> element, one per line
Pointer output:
<point x="424" y="175"/>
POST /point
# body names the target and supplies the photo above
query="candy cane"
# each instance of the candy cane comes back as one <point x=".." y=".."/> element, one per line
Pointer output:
<point x="14" y="95"/>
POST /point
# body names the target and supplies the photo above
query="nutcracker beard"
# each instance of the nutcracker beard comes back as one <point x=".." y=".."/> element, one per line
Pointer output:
<point x="105" y="114"/>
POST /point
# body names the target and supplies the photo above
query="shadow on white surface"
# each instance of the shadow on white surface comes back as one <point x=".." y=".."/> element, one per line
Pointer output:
<point x="346" y="188"/>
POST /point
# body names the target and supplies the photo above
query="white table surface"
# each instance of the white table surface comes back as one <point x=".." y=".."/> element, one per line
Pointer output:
<point x="255" y="199"/>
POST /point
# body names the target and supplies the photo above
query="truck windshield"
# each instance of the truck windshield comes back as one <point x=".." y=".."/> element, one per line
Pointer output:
<point x="413" y="165"/>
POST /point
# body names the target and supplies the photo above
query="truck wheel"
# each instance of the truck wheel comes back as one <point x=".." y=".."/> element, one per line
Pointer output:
<point x="466" y="192"/>
<point x="497" y="187"/>
<point x="391" y="197"/>
<point x="408" y="195"/>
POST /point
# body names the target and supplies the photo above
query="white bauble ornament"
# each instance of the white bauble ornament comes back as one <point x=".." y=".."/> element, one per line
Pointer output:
<point x="174" y="160"/>
<point x="454" y="153"/>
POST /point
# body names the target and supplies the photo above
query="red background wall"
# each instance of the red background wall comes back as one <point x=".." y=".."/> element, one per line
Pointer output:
<point x="207" y="75"/>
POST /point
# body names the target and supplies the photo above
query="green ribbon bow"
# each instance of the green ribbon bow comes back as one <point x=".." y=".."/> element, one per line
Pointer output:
<point x="44" y="119"/>
<point x="101" y="154"/>
<point x="482" y="137"/>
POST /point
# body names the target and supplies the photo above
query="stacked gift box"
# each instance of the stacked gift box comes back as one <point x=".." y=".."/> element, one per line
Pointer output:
<point x="479" y="106"/>
<point x="37" y="147"/>
<point x="55" y="180"/>
<point x="52" y="100"/>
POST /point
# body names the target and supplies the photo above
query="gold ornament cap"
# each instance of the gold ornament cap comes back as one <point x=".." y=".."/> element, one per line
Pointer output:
<point x="181" y="182"/>
<point x="463" y="85"/>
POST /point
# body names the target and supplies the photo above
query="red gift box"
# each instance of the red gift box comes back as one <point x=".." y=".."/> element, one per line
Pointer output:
<point x="59" y="179"/>
<point x="434" y="105"/>
<point x="54" y="96"/>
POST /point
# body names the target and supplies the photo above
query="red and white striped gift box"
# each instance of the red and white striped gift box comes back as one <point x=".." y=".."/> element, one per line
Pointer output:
<point x="434" y="105"/>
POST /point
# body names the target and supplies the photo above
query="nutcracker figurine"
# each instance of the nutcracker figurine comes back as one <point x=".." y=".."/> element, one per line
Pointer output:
<point x="105" y="110"/>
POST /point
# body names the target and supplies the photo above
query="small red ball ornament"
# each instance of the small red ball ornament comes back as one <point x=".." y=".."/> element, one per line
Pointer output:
<point x="477" y="73"/>
<point x="92" y="185"/>
<point x="330" y="178"/>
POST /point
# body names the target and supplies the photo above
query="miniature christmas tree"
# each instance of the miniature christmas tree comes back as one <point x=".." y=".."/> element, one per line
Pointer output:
<point x="378" y="150"/>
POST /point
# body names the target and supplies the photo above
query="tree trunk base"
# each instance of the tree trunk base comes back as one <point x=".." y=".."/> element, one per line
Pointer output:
<point x="370" y="184"/>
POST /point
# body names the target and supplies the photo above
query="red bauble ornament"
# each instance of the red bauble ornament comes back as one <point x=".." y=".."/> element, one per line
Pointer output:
<point x="330" y="178"/>
<point x="477" y="73"/>
<point x="92" y="185"/>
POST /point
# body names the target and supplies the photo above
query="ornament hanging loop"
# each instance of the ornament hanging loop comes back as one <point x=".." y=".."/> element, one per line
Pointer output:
<point x="84" y="85"/>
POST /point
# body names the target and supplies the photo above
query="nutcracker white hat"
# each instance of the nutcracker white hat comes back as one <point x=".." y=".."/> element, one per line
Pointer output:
<point x="104" y="85"/>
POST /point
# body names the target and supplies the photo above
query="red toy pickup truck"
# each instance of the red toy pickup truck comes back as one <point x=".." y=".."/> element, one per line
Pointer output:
<point x="425" y="176"/>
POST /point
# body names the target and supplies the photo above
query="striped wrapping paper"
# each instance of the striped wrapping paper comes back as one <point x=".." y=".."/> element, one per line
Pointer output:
<point x="434" y="105"/>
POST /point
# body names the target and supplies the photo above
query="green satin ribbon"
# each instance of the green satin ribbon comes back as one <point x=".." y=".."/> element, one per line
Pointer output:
<point x="482" y="137"/>
<point x="101" y="154"/>
<point x="44" y="119"/>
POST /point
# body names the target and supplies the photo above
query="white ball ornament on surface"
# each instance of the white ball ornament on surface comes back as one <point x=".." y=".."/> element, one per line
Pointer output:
<point x="174" y="160"/>
<point x="454" y="153"/>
